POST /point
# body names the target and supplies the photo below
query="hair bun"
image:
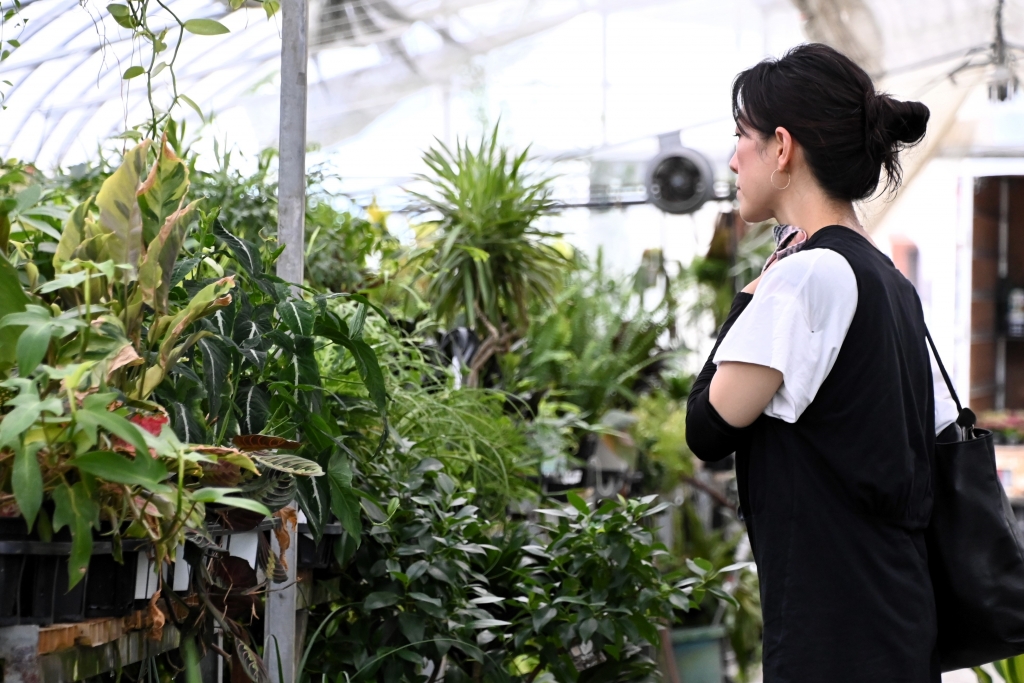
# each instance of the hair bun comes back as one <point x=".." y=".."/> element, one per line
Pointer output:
<point x="903" y="122"/>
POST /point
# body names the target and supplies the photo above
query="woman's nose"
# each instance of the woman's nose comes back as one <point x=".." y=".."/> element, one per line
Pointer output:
<point x="733" y="165"/>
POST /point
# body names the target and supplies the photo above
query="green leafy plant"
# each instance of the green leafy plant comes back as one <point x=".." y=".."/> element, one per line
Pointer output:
<point x="1009" y="670"/>
<point x="484" y="260"/>
<point x="89" y="347"/>
<point x="742" y="615"/>
<point x="162" y="43"/>
<point x="434" y="590"/>
<point x="592" y="346"/>
<point x="660" y="434"/>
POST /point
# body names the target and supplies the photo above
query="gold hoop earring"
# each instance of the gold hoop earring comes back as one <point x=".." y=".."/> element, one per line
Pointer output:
<point x="788" y="175"/>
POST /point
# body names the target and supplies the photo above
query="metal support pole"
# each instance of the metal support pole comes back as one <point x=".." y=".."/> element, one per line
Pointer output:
<point x="280" y="628"/>
<point x="291" y="205"/>
<point x="279" y="639"/>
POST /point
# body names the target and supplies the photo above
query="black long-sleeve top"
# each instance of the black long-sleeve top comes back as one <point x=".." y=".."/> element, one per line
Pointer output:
<point x="708" y="435"/>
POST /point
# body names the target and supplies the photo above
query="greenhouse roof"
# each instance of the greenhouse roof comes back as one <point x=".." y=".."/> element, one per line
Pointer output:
<point x="67" y="93"/>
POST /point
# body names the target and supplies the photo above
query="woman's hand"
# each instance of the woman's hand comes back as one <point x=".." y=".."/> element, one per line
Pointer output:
<point x="749" y="289"/>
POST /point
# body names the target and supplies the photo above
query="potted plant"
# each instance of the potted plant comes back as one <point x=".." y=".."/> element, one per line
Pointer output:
<point x="85" y="450"/>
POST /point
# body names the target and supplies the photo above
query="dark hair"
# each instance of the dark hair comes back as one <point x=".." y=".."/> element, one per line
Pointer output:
<point x="848" y="131"/>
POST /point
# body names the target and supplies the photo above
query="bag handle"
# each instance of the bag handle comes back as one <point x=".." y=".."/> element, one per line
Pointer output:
<point x="965" y="416"/>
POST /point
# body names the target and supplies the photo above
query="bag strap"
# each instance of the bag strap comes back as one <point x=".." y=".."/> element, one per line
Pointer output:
<point x="965" y="416"/>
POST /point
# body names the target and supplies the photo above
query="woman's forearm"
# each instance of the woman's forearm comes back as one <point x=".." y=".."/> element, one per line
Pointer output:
<point x="708" y="435"/>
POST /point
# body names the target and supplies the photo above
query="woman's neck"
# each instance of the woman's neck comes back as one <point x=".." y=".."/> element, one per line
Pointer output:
<point x="810" y="210"/>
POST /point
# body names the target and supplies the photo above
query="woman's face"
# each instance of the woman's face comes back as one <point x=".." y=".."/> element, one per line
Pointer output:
<point x="753" y="164"/>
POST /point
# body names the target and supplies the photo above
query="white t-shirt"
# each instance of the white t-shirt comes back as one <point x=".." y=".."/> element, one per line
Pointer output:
<point x="796" y="323"/>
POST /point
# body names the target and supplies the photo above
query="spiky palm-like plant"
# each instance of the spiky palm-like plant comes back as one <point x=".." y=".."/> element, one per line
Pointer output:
<point x="486" y="260"/>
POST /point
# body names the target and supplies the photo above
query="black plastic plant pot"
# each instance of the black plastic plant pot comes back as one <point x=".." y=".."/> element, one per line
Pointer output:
<point x="314" y="555"/>
<point x="11" y="568"/>
<point x="68" y="606"/>
<point x="39" y="589"/>
<point x="13" y="528"/>
<point x="111" y="589"/>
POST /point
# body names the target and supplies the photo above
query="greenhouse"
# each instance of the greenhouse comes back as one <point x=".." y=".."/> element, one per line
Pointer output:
<point x="506" y="341"/>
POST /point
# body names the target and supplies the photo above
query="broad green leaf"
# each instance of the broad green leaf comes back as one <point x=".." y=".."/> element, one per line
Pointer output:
<point x="33" y="344"/>
<point x="358" y="320"/>
<point x="73" y="235"/>
<point x="380" y="599"/>
<point x="314" y="496"/>
<point x="24" y="415"/>
<point x="412" y="626"/>
<point x="700" y="566"/>
<point x="65" y="280"/>
<point x="305" y="372"/>
<point x="120" y="215"/>
<point x="488" y="623"/>
<point x="12" y="300"/>
<point x="75" y="508"/>
<point x="208" y="299"/>
<point x="161" y="194"/>
<point x="157" y="267"/>
<point x="116" y="468"/>
<point x="587" y="629"/>
<point x="205" y="27"/>
<point x="340" y="471"/>
<point x="271" y="7"/>
<point x="292" y="464"/>
<point x="542" y="616"/>
<point x="186" y="427"/>
<point x="417" y="569"/>
<point x="369" y="372"/>
<point x="215" y="372"/>
<point x="297" y="315"/>
<point x="344" y="501"/>
<point x="122" y="15"/>
<point x="132" y="72"/>
<point x="27" y="481"/>
<point x="222" y="496"/>
<point x="428" y="465"/>
<point x="252" y="404"/>
<point x="421" y="597"/>
<point x="578" y="503"/>
<point x="91" y="418"/>
<point x="193" y="105"/>
<point x="246" y="253"/>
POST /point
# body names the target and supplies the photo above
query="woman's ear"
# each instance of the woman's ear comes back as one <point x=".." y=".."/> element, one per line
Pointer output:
<point x="784" y="148"/>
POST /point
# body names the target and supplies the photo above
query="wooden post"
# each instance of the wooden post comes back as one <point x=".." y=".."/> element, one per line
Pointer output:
<point x="279" y="629"/>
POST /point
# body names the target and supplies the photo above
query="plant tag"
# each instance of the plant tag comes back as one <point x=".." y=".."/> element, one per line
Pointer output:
<point x="584" y="656"/>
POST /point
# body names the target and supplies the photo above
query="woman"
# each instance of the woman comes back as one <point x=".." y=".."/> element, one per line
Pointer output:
<point x="822" y="384"/>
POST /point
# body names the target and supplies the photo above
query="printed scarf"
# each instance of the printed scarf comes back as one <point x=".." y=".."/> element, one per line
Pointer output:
<point x="789" y="239"/>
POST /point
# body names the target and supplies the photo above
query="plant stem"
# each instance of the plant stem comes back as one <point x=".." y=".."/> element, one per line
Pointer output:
<point x="88" y="314"/>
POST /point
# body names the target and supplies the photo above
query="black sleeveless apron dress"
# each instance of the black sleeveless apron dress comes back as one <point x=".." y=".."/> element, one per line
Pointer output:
<point x="836" y="504"/>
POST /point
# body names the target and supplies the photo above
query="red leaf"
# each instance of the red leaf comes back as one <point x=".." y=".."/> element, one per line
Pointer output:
<point x="151" y="423"/>
<point x="261" y="442"/>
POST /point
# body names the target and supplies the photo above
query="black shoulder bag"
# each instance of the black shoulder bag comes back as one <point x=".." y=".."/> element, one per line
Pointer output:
<point x="975" y="550"/>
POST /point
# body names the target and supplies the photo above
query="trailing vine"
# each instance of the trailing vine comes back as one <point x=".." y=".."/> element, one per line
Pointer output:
<point x="137" y="16"/>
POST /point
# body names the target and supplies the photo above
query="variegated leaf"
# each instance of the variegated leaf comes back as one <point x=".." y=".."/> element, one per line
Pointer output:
<point x="252" y="664"/>
<point x="120" y="215"/>
<point x="253" y="408"/>
<point x="246" y="253"/>
<point x="292" y="464"/>
<point x="298" y="316"/>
